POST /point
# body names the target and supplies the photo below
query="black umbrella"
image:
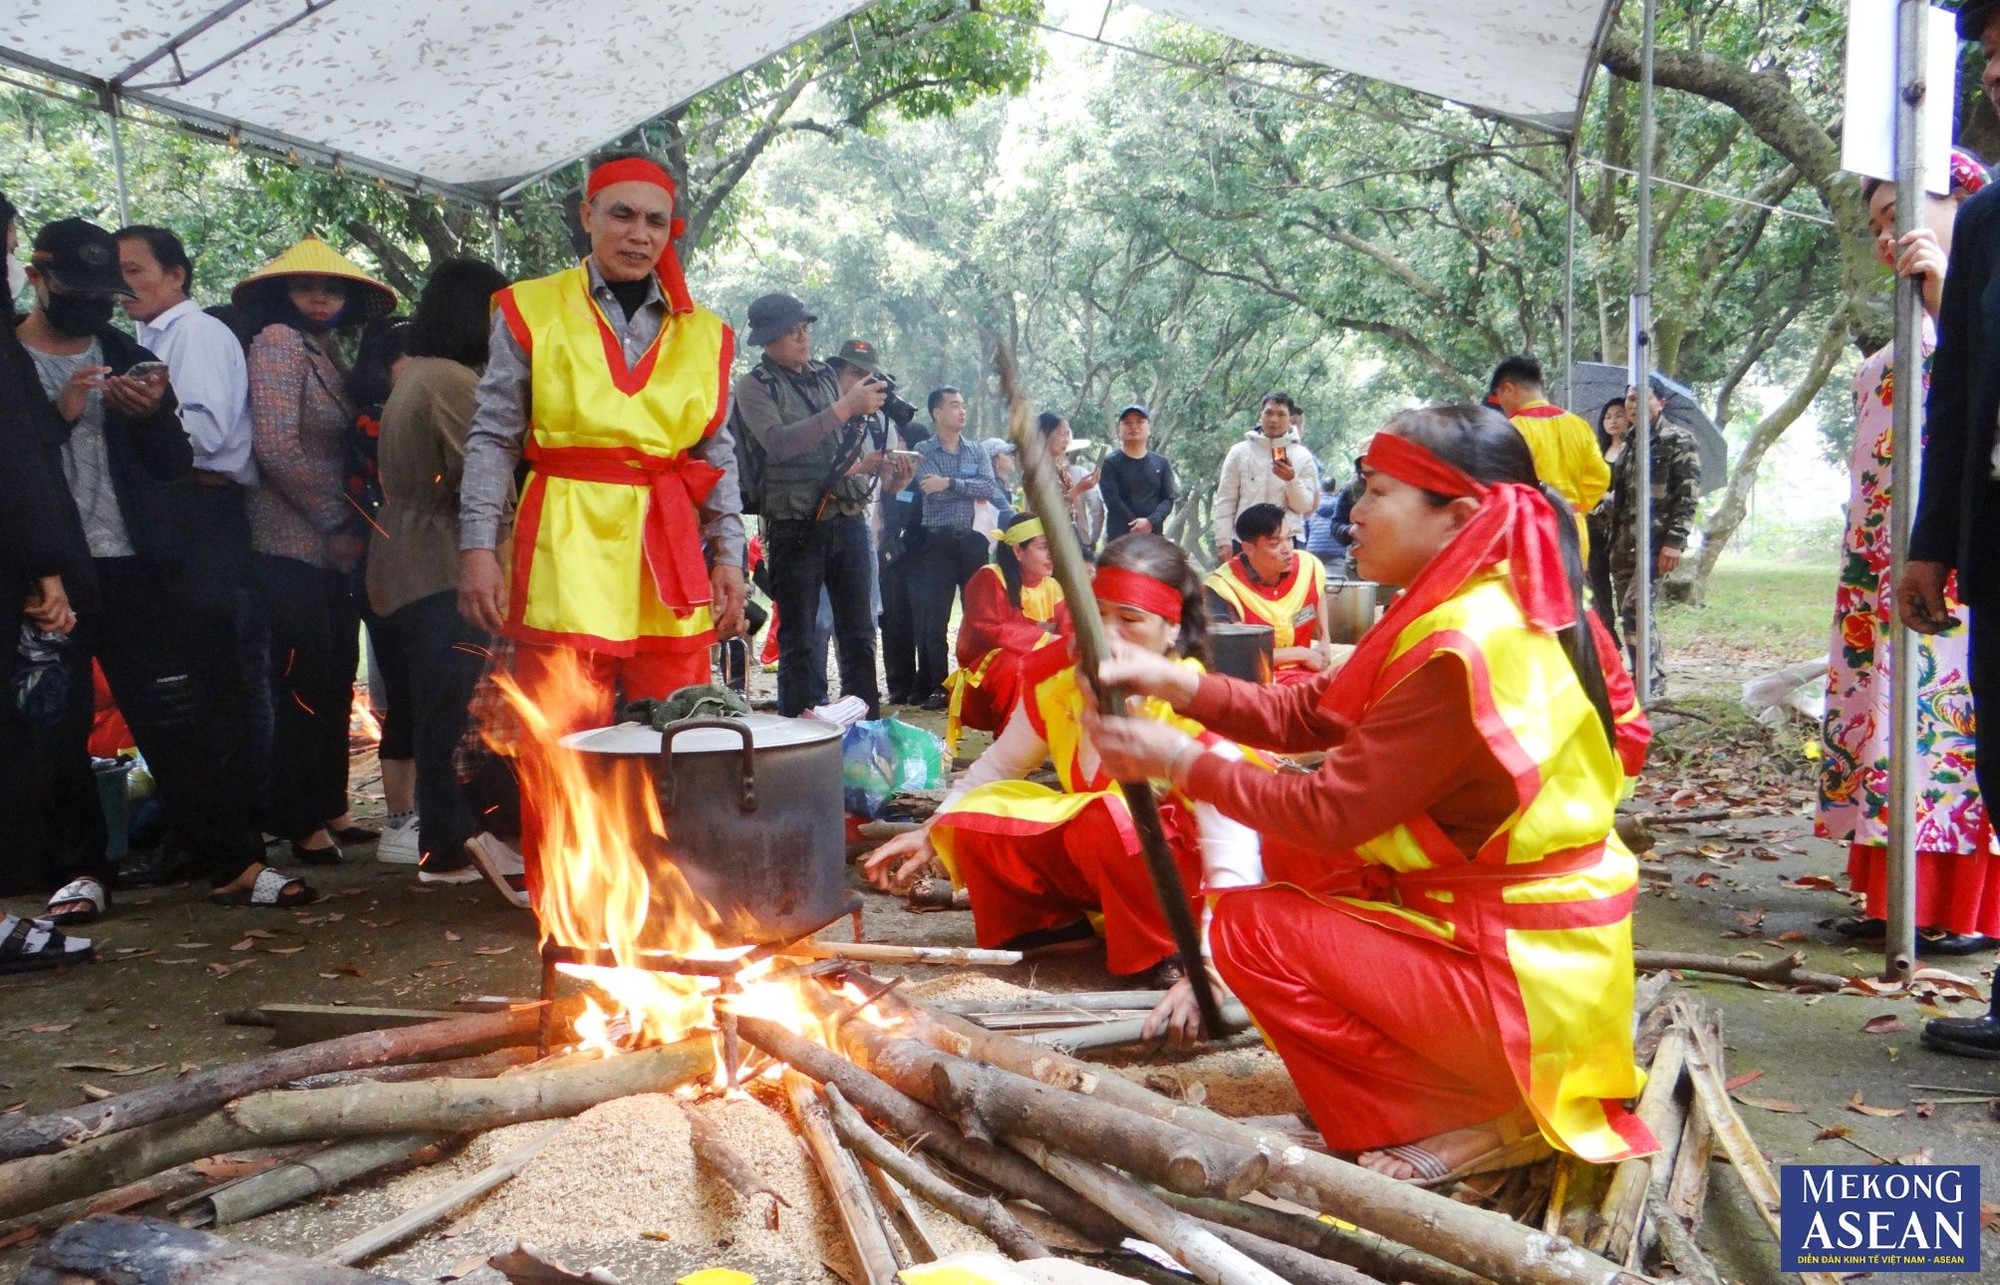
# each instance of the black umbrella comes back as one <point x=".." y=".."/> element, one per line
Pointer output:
<point x="1598" y="383"/>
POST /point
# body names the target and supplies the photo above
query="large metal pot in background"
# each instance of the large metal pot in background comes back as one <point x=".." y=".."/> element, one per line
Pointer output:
<point x="1354" y="606"/>
<point x="753" y="817"/>
<point x="1242" y="650"/>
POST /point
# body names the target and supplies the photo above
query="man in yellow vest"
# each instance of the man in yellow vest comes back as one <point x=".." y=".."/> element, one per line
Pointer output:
<point x="613" y="386"/>
<point x="1564" y="445"/>
<point x="1273" y="583"/>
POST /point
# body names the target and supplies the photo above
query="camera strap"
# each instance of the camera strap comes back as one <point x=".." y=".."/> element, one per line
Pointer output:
<point x="854" y="434"/>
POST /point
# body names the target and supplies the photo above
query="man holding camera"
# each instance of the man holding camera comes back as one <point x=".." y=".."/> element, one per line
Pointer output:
<point x="819" y="476"/>
<point x="1269" y="466"/>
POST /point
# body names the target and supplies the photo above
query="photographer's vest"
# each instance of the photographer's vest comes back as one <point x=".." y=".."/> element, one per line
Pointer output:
<point x="607" y="550"/>
<point x="1543" y="909"/>
<point x="1290" y="607"/>
<point x="792" y="487"/>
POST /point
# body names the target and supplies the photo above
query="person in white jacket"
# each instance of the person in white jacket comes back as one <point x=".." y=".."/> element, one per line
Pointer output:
<point x="1269" y="466"/>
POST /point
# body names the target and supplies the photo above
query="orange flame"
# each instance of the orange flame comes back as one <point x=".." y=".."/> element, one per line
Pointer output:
<point x="608" y="885"/>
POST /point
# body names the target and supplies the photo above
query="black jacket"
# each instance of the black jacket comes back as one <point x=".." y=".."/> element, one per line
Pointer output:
<point x="1958" y="501"/>
<point x="40" y="534"/>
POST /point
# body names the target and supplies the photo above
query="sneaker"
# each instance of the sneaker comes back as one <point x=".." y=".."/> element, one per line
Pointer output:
<point x="501" y="865"/>
<point x="463" y="874"/>
<point x="398" y="844"/>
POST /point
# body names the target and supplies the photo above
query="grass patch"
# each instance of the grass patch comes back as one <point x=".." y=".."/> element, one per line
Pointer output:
<point x="1756" y="608"/>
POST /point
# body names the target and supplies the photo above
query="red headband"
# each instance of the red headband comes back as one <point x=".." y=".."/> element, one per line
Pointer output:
<point x="1131" y="589"/>
<point x="629" y="169"/>
<point x="1410" y="463"/>
<point x="637" y="169"/>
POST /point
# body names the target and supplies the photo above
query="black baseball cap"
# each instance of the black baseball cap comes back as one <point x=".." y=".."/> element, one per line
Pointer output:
<point x="1972" y="16"/>
<point x="1136" y="406"/>
<point x="79" y="257"/>
<point x="774" y="315"/>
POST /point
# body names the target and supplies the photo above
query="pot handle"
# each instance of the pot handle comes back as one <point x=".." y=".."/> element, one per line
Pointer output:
<point x="665" y="774"/>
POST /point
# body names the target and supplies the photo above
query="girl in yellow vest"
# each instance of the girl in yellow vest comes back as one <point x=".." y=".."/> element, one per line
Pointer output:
<point x="1044" y="865"/>
<point x="1013" y="606"/>
<point x="1440" y="946"/>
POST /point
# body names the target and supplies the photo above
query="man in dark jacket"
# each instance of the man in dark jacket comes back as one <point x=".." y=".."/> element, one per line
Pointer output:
<point x="1137" y="483"/>
<point x="127" y="460"/>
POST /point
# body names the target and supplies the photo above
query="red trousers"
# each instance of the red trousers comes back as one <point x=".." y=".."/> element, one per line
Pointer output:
<point x="1023" y="879"/>
<point x="1390" y="1038"/>
<point x="650" y="675"/>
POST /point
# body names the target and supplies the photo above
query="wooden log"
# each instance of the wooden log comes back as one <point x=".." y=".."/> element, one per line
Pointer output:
<point x="930" y="1131"/>
<point x="325" y="1169"/>
<point x="858" y="1214"/>
<point x="903" y="1214"/>
<point x="1678" y="1239"/>
<point x="172" y="1184"/>
<point x="205" y="1090"/>
<point x="714" y="1151"/>
<point x="376" y="1239"/>
<point x="1364" y="1251"/>
<point x="1294" y="1265"/>
<point x="937" y="894"/>
<point x="1194" y="1246"/>
<point x="1015" y="1107"/>
<point x="1687" y="1187"/>
<point x="1662" y="1108"/>
<point x="146" y="1251"/>
<point x="481" y="1067"/>
<point x="1088" y="1002"/>
<point x="1791" y="970"/>
<point x="295" y="1024"/>
<point x="880" y="953"/>
<point x="983" y="1212"/>
<point x="300" y="1115"/>
<point x="1475" y="1239"/>
<point x="1131" y="1030"/>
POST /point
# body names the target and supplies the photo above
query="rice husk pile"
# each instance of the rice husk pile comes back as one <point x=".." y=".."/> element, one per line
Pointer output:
<point x="968" y="986"/>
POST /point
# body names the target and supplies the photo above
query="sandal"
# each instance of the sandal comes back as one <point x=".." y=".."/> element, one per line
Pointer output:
<point x="270" y="888"/>
<point x="354" y="834"/>
<point x="1518" y="1146"/>
<point x="30" y="945"/>
<point x="88" y="889"/>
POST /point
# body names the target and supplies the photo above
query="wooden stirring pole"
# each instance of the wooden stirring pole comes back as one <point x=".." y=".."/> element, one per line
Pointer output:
<point x="1045" y="497"/>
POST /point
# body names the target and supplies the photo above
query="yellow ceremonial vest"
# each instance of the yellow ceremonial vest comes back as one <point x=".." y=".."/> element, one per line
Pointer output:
<point x="1544" y="905"/>
<point x="1039" y="602"/>
<point x="1293" y="615"/>
<point x="1567" y="457"/>
<point x="611" y="481"/>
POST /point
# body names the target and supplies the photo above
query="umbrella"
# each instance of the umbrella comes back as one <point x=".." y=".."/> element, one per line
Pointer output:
<point x="1598" y="383"/>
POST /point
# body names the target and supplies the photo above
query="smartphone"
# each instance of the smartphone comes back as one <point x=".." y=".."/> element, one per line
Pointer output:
<point x="144" y="368"/>
<point x="1277" y="455"/>
<point x="910" y="456"/>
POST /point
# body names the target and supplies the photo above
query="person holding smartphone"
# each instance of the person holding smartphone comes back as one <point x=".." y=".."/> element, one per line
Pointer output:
<point x="1269" y="466"/>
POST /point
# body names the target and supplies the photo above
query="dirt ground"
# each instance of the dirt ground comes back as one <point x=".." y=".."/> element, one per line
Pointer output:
<point x="173" y="966"/>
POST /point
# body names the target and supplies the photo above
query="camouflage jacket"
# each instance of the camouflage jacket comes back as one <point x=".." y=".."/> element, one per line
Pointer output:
<point x="1676" y="488"/>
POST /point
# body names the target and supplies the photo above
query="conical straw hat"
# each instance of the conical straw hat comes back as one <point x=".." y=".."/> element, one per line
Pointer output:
<point x="313" y="257"/>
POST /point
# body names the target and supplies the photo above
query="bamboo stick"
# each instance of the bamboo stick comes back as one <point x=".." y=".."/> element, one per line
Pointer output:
<point x="1131" y="1030"/>
<point x="983" y="1212"/>
<point x="1661" y="1108"/>
<point x="1194" y="1246"/>
<point x="1788" y="971"/>
<point x="1089" y="1001"/>
<point x="1693" y="1265"/>
<point x="880" y="953"/>
<point x="1293" y="1265"/>
<point x="325" y="1169"/>
<point x="903" y="1214"/>
<point x="858" y="1215"/>
<point x="1364" y="1251"/>
<point x="376" y="1239"/>
<point x="1477" y="1240"/>
<point x="171" y="1184"/>
<point x="930" y="1131"/>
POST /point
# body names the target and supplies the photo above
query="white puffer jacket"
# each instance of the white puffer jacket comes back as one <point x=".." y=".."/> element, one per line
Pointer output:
<point x="1247" y="479"/>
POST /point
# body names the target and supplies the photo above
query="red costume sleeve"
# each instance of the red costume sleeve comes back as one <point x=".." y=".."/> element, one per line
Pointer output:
<point x="990" y="621"/>
<point x="1417" y="751"/>
<point x="1286" y="719"/>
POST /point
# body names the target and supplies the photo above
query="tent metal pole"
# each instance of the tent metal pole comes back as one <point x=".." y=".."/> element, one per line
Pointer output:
<point x="1569" y="282"/>
<point x="1642" y="375"/>
<point x="108" y="101"/>
<point x="1906" y="438"/>
<point x="493" y="229"/>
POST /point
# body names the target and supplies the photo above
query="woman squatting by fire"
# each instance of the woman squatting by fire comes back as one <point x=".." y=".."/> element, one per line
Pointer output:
<point x="1041" y="864"/>
<point x="1437" y="937"/>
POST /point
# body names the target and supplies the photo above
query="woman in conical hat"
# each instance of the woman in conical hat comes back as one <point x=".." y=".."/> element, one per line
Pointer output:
<point x="1013" y="606"/>
<point x="1439" y="939"/>
<point x="1043" y="865"/>
<point x="303" y="532"/>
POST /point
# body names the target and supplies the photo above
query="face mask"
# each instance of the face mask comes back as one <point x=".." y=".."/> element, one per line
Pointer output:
<point x="17" y="279"/>
<point x="78" y="315"/>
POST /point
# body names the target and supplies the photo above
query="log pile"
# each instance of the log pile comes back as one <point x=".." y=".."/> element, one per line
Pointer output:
<point x="920" y="1125"/>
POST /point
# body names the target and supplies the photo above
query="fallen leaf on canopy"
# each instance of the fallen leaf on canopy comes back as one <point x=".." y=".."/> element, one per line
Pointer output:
<point x="1885" y="1113"/>
<point x="1885" y="1024"/>
<point x="1779" y="1105"/>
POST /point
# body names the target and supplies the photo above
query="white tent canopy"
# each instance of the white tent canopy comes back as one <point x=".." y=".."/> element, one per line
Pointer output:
<point x="470" y="96"/>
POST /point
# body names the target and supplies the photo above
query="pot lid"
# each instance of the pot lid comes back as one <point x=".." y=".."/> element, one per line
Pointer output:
<point x="767" y="731"/>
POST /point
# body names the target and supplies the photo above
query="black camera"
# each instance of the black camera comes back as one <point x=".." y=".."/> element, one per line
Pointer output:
<point x="893" y="406"/>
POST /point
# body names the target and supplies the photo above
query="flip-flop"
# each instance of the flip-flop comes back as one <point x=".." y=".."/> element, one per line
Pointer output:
<point x="270" y="888"/>
<point x="33" y="945"/>
<point x="87" y="888"/>
<point x="1517" y="1147"/>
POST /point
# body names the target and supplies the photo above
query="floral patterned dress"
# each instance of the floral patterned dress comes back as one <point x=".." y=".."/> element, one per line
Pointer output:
<point x="1958" y="884"/>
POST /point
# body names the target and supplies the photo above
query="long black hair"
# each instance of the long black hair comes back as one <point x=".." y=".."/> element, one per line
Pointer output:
<point x="1159" y="558"/>
<point x="1603" y="433"/>
<point x="1482" y="443"/>
<point x="454" y="314"/>
<point x="1009" y="561"/>
<point x="384" y="342"/>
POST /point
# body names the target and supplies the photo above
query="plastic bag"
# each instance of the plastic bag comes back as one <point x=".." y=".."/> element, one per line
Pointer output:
<point x="1795" y="689"/>
<point x="41" y="687"/>
<point x="884" y="757"/>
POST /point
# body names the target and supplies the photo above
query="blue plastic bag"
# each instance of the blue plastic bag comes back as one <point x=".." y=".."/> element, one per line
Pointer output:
<point x="885" y="757"/>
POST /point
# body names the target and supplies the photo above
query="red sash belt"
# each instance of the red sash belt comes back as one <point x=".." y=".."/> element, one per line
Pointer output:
<point x="672" y="536"/>
<point x="1373" y="882"/>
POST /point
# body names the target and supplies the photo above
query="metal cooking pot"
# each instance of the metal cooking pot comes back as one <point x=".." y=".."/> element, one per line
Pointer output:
<point x="1242" y="650"/>
<point x="753" y="817"/>
<point x="1353" y="604"/>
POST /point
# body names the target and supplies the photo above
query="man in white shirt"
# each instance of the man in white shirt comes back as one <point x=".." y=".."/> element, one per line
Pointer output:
<point x="206" y="367"/>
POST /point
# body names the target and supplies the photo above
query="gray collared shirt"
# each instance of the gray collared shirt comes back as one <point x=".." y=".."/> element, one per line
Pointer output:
<point x="501" y="419"/>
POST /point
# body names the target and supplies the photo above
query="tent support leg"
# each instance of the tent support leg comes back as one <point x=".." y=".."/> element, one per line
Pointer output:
<point x="110" y="105"/>
<point x="1642" y="375"/>
<point x="1569" y="283"/>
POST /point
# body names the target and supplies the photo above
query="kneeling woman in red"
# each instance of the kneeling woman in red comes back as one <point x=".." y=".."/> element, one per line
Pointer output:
<point x="1441" y="944"/>
<point x="1013" y="606"/>
<point x="1041" y="864"/>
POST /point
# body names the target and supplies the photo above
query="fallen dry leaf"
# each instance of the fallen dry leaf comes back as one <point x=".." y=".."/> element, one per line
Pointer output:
<point x="245" y="944"/>
<point x="1885" y="1113"/>
<point x="1706" y="879"/>
<point x="51" y="1028"/>
<point x="261" y="934"/>
<point x="1921" y="1156"/>
<point x="491" y="950"/>
<point x="1834" y="1131"/>
<point x="1770" y="1104"/>
<point x="224" y="970"/>
<point x="1885" y="1024"/>
<point x="1922" y="1110"/>
<point x="113" y="1068"/>
<point x="13" y="1107"/>
<point x="1736" y="1082"/>
<point x="95" y="1093"/>
<point x="1813" y="882"/>
<point x="1793" y="935"/>
<point x="139" y="1070"/>
<point x="449" y="935"/>
<point x="466" y="1268"/>
<point x="1989" y="1216"/>
<point x="283" y="950"/>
